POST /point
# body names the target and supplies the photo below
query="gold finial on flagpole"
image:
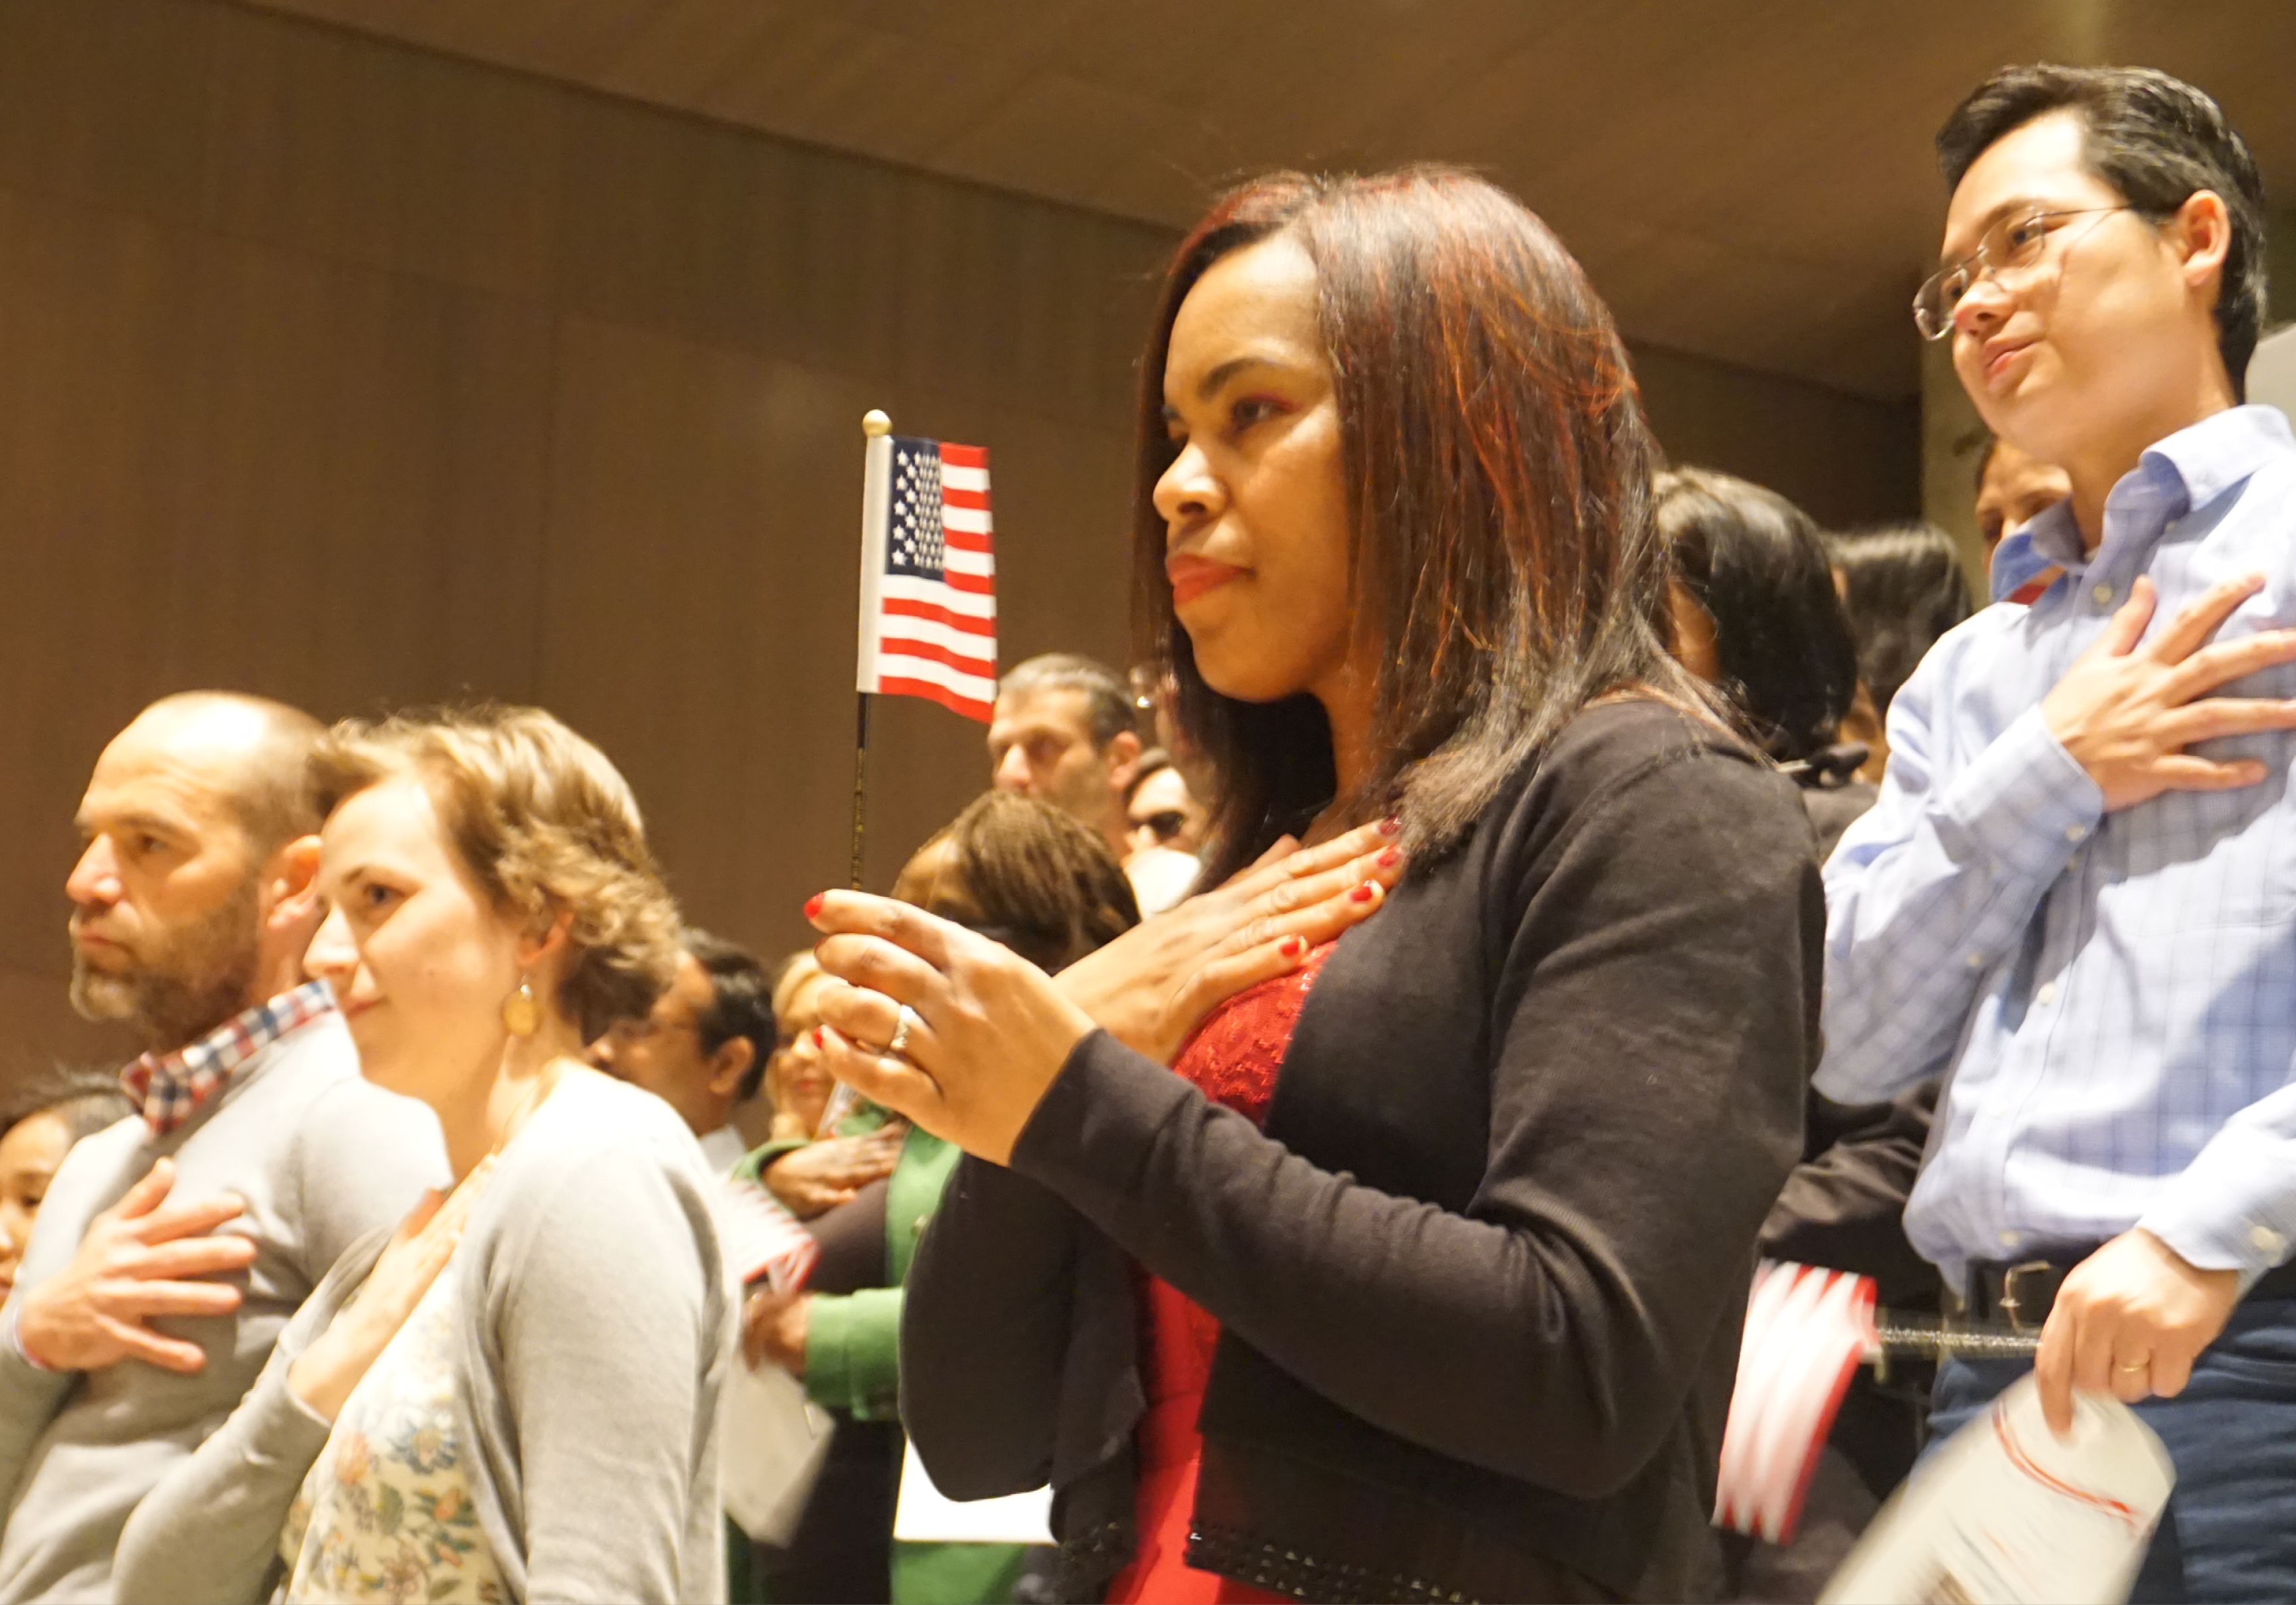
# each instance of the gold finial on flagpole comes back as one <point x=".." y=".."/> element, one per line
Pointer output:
<point x="874" y="423"/>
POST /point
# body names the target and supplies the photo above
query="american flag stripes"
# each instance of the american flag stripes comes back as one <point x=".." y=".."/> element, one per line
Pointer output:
<point x="929" y="575"/>
<point x="1806" y="1330"/>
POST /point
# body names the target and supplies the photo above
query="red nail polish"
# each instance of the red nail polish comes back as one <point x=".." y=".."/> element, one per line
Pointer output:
<point x="1362" y="893"/>
<point x="1292" y="948"/>
<point x="1388" y="859"/>
<point x="813" y="904"/>
<point x="819" y="1040"/>
<point x="1391" y="825"/>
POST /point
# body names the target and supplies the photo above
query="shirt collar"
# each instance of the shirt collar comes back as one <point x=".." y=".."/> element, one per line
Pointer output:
<point x="167" y="1087"/>
<point x="2173" y="476"/>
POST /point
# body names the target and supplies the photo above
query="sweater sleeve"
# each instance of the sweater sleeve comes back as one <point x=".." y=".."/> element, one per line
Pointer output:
<point x="1653" y="1020"/>
<point x="209" y="1530"/>
<point x="32" y="1396"/>
<point x="852" y="1352"/>
<point x="980" y="1396"/>
<point x="1845" y="1206"/>
<point x="607" y="1325"/>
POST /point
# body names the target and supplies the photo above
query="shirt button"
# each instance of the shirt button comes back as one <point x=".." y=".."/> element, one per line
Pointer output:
<point x="2103" y="595"/>
<point x="2268" y="1239"/>
<point x="2008" y="1240"/>
<point x="1977" y="961"/>
<point x="2076" y="832"/>
<point x="2048" y="993"/>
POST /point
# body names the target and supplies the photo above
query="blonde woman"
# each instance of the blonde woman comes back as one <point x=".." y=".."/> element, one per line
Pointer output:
<point x="516" y="1398"/>
<point x="810" y="1174"/>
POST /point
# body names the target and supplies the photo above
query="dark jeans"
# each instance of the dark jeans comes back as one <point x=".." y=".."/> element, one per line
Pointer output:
<point x="2229" y="1533"/>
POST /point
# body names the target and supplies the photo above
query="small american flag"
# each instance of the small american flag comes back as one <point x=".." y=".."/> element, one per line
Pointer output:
<point x="929" y="575"/>
<point x="1807" y="1331"/>
<point x="760" y="1239"/>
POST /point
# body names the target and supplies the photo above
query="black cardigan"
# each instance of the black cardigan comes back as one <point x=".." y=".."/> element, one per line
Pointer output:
<point x="1481" y="1279"/>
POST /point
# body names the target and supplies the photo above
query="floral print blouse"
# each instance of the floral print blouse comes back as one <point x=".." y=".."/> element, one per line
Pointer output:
<point x="385" y="1512"/>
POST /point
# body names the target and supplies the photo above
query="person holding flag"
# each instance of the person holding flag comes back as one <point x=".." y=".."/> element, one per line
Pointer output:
<point x="1423" y="1276"/>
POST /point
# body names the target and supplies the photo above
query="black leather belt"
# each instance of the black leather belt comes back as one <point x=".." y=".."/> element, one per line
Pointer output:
<point x="2018" y="1294"/>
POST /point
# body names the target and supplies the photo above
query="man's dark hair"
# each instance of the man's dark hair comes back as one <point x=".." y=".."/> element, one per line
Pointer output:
<point x="1107" y="699"/>
<point x="740" y="1003"/>
<point x="2155" y="139"/>
<point x="1984" y="462"/>
<point x="1903" y="586"/>
<point x="1757" y="566"/>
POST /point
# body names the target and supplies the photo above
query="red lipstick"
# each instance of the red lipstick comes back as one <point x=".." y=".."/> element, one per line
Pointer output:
<point x="1193" y="575"/>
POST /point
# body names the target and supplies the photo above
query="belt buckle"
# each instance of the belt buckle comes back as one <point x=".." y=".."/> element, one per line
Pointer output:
<point x="2010" y="1306"/>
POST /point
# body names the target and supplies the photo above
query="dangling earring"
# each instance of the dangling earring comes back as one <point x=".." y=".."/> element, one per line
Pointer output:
<point x="520" y="1013"/>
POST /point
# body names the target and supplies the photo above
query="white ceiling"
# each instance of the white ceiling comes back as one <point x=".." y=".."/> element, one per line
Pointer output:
<point x="1749" y="180"/>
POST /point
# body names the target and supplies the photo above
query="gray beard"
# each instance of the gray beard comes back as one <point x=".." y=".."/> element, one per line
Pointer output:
<point x="196" y="980"/>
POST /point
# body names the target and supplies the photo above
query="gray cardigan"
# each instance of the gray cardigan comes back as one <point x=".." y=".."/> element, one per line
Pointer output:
<point x="596" y="1330"/>
<point x="322" y="1158"/>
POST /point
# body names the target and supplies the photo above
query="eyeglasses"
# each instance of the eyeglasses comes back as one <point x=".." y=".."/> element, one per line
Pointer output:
<point x="622" y="1033"/>
<point x="2014" y="244"/>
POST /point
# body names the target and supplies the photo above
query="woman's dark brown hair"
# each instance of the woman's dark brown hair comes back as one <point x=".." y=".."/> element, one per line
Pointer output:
<point x="1497" y="468"/>
<point x="1024" y="873"/>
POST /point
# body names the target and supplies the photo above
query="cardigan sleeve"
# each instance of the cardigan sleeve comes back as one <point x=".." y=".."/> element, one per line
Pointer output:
<point x="985" y="1331"/>
<point x="852" y="1345"/>
<point x="209" y="1529"/>
<point x="607" y="1326"/>
<point x="1652" y="1026"/>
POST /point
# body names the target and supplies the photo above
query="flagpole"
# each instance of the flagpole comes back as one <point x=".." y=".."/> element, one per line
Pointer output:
<point x="876" y="490"/>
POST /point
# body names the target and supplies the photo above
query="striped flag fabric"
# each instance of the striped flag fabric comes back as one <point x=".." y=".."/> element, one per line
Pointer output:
<point x="1807" y="1331"/>
<point x="929" y="575"/>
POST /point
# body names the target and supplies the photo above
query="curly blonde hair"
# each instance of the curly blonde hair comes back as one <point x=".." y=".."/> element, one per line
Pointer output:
<point x="547" y="825"/>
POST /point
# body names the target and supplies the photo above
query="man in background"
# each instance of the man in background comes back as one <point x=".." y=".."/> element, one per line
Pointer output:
<point x="1063" y="734"/>
<point x="703" y="1048"/>
<point x="174" y="1246"/>
<point x="2014" y="488"/>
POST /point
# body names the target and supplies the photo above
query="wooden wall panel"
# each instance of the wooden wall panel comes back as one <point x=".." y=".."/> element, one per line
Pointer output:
<point x="357" y="375"/>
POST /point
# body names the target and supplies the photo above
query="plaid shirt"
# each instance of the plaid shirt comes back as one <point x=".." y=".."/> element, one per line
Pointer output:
<point x="168" y="1087"/>
<point x="2113" y="994"/>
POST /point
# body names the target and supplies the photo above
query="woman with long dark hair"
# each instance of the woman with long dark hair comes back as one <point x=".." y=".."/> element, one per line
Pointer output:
<point x="1423" y="1277"/>
<point x="1903" y="587"/>
<point x="1756" y="615"/>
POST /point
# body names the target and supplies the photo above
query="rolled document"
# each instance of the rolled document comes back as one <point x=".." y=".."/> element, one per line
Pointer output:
<point x="2005" y="1512"/>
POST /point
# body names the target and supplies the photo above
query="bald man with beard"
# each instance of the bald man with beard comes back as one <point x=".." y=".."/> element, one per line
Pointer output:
<point x="173" y="1246"/>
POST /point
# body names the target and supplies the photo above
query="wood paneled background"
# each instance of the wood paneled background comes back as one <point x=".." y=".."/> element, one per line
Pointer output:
<point x="354" y="375"/>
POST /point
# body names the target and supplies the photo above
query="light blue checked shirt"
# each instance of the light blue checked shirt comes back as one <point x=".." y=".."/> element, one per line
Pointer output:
<point x="2114" y="995"/>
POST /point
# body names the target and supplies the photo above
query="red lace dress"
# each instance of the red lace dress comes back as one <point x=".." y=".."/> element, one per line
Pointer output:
<point x="1233" y="1059"/>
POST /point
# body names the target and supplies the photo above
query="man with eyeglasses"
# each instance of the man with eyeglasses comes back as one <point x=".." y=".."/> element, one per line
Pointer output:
<point x="2077" y="890"/>
<point x="703" y="1047"/>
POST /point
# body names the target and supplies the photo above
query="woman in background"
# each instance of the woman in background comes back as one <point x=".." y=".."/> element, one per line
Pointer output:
<point x="1903" y="587"/>
<point x="1025" y="874"/>
<point x="516" y="1398"/>
<point x="809" y="1171"/>
<point x="1756" y="617"/>
<point x="1423" y="1277"/>
<point x="1756" y="614"/>
<point x="46" y="1114"/>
